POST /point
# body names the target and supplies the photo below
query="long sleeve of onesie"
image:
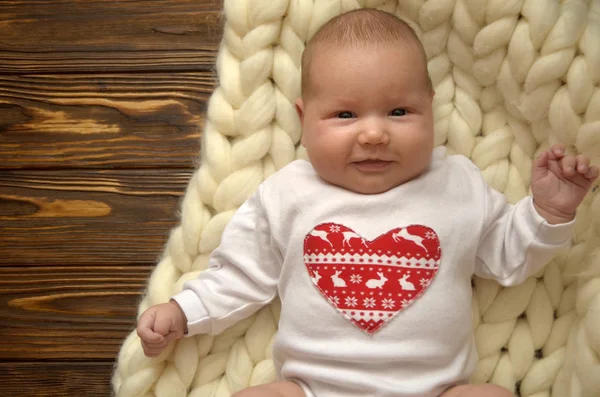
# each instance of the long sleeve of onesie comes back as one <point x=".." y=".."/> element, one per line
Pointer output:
<point x="515" y="240"/>
<point x="241" y="278"/>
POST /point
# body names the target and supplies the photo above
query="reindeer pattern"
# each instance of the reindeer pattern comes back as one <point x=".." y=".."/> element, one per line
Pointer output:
<point x="351" y="242"/>
<point x="325" y="231"/>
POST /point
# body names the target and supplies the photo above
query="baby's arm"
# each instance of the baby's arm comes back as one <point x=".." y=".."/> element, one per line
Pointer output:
<point x="241" y="277"/>
<point x="518" y="240"/>
<point x="515" y="240"/>
<point x="242" y="274"/>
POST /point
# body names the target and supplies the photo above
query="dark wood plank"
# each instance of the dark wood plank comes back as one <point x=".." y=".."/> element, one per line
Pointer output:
<point x="102" y="121"/>
<point x="43" y="36"/>
<point x="75" y="217"/>
<point x="68" y="312"/>
<point x="89" y="379"/>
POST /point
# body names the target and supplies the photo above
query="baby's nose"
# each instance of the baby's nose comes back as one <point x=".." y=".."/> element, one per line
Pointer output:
<point x="374" y="133"/>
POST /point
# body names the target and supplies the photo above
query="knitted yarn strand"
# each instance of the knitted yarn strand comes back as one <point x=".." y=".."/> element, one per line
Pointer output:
<point x="511" y="77"/>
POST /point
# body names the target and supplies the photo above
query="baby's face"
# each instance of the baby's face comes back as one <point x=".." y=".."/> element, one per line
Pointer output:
<point x="368" y="120"/>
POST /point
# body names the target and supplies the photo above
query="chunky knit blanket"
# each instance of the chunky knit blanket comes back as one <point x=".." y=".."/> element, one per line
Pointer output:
<point x="511" y="78"/>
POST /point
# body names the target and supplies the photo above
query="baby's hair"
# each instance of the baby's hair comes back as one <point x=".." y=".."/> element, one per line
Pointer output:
<point x="362" y="27"/>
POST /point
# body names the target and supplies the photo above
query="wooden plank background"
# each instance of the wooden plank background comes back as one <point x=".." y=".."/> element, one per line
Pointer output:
<point x="101" y="108"/>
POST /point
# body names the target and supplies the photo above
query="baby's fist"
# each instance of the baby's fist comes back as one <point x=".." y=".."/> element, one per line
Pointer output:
<point x="559" y="182"/>
<point x="159" y="325"/>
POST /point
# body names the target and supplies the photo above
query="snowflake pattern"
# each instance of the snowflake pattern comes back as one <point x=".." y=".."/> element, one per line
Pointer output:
<point x="355" y="278"/>
<point x="405" y="302"/>
<point x="335" y="300"/>
<point x="430" y="235"/>
<point x="351" y="301"/>
<point x="369" y="302"/>
<point x="424" y="282"/>
<point x="334" y="229"/>
<point x="388" y="303"/>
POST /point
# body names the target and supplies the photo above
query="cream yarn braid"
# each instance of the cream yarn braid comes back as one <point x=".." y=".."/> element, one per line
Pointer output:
<point x="511" y="78"/>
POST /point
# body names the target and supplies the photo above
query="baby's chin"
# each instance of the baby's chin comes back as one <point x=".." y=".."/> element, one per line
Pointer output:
<point x="373" y="183"/>
<point x="372" y="189"/>
<point x="368" y="185"/>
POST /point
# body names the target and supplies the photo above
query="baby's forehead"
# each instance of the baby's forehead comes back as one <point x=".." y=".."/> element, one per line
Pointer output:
<point x="341" y="50"/>
<point x="328" y="52"/>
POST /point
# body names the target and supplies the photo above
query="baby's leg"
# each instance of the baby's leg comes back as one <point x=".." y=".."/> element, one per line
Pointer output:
<point x="276" y="389"/>
<point x="485" y="390"/>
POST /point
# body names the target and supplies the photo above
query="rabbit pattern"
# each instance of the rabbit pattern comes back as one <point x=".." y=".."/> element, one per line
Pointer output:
<point x="370" y="281"/>
<point x="377" y="283"/>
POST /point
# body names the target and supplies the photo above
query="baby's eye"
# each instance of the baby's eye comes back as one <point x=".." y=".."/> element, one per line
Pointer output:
<point x="345" y="115"/>
<point x="398" y="112"/>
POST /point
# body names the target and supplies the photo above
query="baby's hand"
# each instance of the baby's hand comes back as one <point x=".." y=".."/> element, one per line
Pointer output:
<point x="159" y="325"/>
<point x="559" y="183"/>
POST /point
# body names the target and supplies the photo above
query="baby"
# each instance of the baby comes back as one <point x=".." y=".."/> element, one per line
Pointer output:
<point x="371" y="246"/>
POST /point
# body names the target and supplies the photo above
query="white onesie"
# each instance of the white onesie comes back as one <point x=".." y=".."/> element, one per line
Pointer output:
<point x="375" y="289"/>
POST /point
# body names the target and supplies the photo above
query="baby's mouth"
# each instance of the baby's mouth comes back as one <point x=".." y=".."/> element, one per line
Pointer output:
<point x="372" y="165"/>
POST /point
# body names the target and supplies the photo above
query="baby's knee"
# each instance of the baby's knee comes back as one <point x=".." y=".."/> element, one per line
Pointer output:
<point x="277" y="389"/>
<point x="257" y="391"/>
<point x="486" y="390"/>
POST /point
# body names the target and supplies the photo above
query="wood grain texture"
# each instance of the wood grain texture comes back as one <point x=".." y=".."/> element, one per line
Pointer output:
<point x="68" y="312"/>
<point x="89" y="379"/>
<point x="98" y="121"/>
<point x="102" y="104"/>
<point x="79" y="217"/>
<point x="43" y="36"/>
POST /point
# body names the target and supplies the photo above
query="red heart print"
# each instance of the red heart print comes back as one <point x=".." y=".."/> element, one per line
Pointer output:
<point x="370" y="282"/>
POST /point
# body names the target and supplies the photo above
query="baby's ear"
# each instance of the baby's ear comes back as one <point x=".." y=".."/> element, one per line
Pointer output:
<point x="300" y="109"/>
<point x="431" y="90"/>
